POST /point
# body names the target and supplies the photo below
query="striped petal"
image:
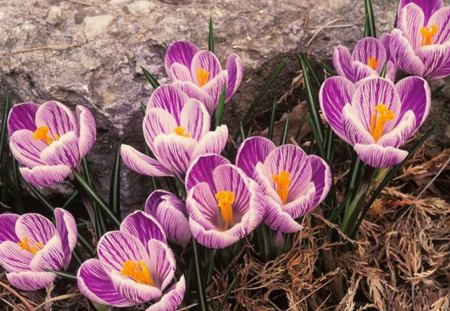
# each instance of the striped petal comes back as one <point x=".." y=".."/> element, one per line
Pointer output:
<point x="213" y="142"/>
<point x="95" y="284"/>
<point x="30" y="280"/>
<point x="8" y="225"/>
<point x="354" y="128"/>
<point x="87" y="130"/>
<point x="370" y="48"/>
<point x="410" y="21"/>
<point x="321" y="177"/>
<point x="13" y="258"/>
<point x="25" y="149"/>
<point x="67" y="231"/>
<point x="57" y="117"/>
<point x="163" y="263"/>
<point x="441" y="19"/>
<point x="427" y="6"/>
<point x="116" y="247"/>
<point x="415" y="95"/>
<point x="403" y="56"/>
<point x="251" y="151"/>
<point x="35" y="227"/>
<point x="195" y="119"/>
<point x="235" y="69"/>
<point x="157" y="121"/>
<point x="207" y="61"/>
<point x="172" y="299"/>
<point x="134" y="291"/>
<point x="45" y="175"/>
<point x="436" y="59"/>
<point x="169" y="98"/>
<point x="279" y="220"/>
<point x="143" y="226"/>
<point x="22" y="116"/>
<point x="181" y="52"/>
<point x="49" y="258"/>
<point x="194" y="91"/>
<point x="141" y="163"/>
<point x="179" y="71"/>
<point x="342" y="62"/>
<point x="63" y="151"/>
<point x="378" y="156"/>
<point x="201" y="206"/>
<point x="401" y="133"/>
<point x="201" y="168"/>
<point x="215" y="87"/>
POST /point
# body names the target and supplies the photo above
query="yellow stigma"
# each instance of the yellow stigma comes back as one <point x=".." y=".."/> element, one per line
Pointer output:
<point x="225" y="200"/>
<point x="138" y="271"/>
<point x="181" y="131"/>
<point x="202" y="76"/>
<point x="428" y="33"/>
<point x="31" y="248"/>
<point x="282" y="182"/>
<point x="380" y="116"/>
<point x="372" y="62"/>
<point x="43" y="133"/>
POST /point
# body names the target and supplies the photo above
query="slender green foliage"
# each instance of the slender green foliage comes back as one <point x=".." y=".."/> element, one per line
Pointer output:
<point x="272" y="118"/>
<point x="114" y="189"/>
<point x="211" y="35"/>
<point x="150" y="78"/>
<point x="369" y="27"/>
<point x="198" y="274"/>
<point x="284" y="135"/>
<point x="219" y="109"/>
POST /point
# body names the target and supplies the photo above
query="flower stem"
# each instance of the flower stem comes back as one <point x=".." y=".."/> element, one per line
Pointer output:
<point x="91" y="193"/>
<point x="65" y="275"/>
<point x="198" y="272"/>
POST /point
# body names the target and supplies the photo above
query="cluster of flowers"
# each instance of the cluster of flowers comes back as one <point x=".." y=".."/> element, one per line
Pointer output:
<point x="224" y="202"/>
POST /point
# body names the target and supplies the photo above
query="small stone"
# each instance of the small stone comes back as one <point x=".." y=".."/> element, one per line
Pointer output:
<point x="141" y="7"/>
<point x="96" y="25"/>
<point x="54" y="16"/>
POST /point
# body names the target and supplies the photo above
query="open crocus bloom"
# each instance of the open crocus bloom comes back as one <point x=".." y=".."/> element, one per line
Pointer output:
<point x="376" y="117"/>
<point x="294" y="183"/>
<point x="31" y="246"/>
<point x="135" y="266"/>
<point x="421" y="44"/>
<point x="367" y="59"/>
<point x="223" y="203"/>
<point x="171" y="213"/>
<point x="48" y="140"/>
<point x="176" y="129"/>
<point x="200" y="75"/>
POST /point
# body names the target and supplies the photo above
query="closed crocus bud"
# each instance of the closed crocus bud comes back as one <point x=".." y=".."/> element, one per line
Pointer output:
<point x="199" y="73"/>
<point x="31" y="247"/>
<point x="134" y="266"/>
<point x="171" y="213"/>
<point x="49" y="141"/>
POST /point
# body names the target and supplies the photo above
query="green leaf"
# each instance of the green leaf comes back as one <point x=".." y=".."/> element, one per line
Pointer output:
<point x="284" y="135"/>
<point x="242" y="131"/>
<point x="150" y="78"/>
<point x="263" y="91"/>
<point x="392" y="174"/>
<point x="369" y="27"/>
<point x="95" y="197"/>
<point x="272" y="118"/>
<point x="198" y="274"/>
<point x="114" y="189"/>
<point x="3" y="134"/>
<point x="229" y="290"/>
<point x="219" y="109"/>
<point x="211" y="35"/>
<point x="70" y="199"/>
<point x="314" y="116"/>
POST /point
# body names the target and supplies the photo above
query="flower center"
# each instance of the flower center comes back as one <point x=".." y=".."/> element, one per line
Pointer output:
<point x="43" y="133"/>
<point x="138" y="271"/>
<point x="380" y="116"/>
<point x="202" y="76"/>
<point x="428" y="33"/>
<point x="282" y="182"/>
<point x="32" y="248"/>
<point x="372" y="62"/>
<point x="181" y="131"/>
<point x="225" y="200"/>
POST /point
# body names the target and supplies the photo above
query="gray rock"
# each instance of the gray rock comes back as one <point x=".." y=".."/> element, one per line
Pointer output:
<point x="89" y="52"/>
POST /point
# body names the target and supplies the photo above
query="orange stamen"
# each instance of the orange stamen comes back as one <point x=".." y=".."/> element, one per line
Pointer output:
<point x="202" y="76"/>
<point x="138" y="271"/>
<point x="181" y="131"/>
<point x="282" y="182"/>
<point x="428" y="34"/>
<point x="43" y="133"/>
<point x="225" y="200"/>
<point x="379" y="118"/>
<point x="372" y="62"/>
<point x="33" y="248"/>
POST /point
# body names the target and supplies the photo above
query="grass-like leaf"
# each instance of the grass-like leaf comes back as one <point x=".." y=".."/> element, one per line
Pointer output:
<point x="272" y="118"/>
<point x="219" y="110"/>
<point x="198" y="274"/>
<point x="3" y="134"/>
<point x="114" y="189"/>
<point x="284" y="135"/>
<point x="369" y="27"/>
<point x="150" y="78"/>
<point x="273" y="77"/>
<point x="211" y="35"/>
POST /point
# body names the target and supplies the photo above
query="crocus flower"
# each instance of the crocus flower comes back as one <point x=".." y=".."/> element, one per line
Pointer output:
<point x="171" y="213"/>
<point x="421" y="44"/>
<point x="367" y="59"/>
<point x="177" y="130"/>
<point x="135" y="266"/>
<point x="223" y="203"/>
<point x="31" y="247"/>
<point x="199" y="74"/>
<point x="48" y="140"/>
<point x="376" y="116"/>
<point x="293" y="182"/>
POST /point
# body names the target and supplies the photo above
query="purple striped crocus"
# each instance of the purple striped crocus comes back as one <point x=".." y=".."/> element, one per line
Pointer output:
<point x="48" y="140"/>
<point x="171" y="213"/>
<point x="421" y="43"/>
<point x="31" y="247"/>
<point x="223" y="203"/>
<point x="368" y="58"/>
<point x="376" y="116"/>
<point x="134" y="266"/>
<point x="177" y="130"/>
<point x="293" y="182"/>
<point x="199" y="73"/>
